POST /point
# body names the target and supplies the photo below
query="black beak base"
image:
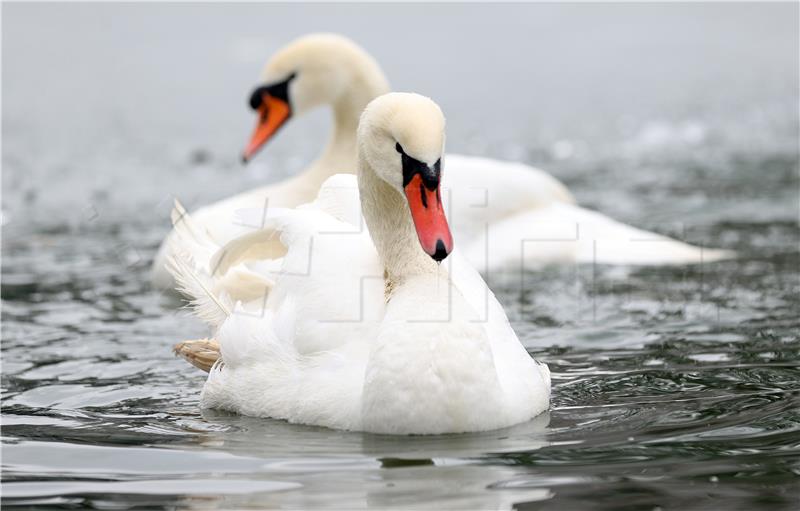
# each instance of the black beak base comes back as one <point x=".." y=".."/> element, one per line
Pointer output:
<point x="278" y="90"/>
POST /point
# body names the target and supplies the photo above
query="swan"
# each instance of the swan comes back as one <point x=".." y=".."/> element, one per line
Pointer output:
<point x="520" y="217"/>
<point x="364" y="329"/>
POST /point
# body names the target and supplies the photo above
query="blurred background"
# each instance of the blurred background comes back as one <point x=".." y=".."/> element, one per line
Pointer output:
<point x="133" y="102"/>
<point x="672" y="386"/>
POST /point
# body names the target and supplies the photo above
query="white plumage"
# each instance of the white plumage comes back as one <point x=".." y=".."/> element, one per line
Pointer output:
<point x="352" y="336"/>
<point x="531" y="217"/>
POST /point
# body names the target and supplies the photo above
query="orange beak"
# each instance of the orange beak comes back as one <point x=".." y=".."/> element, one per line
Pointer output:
<point x="429" y="219"/>
<point x="272" y="114"/>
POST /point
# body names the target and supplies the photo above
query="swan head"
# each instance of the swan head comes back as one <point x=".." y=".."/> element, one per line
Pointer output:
<point x="314" y="70"/>
<point x="401" y="137"/>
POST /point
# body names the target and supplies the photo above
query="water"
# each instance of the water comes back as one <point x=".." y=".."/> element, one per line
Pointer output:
<point x="673" y="387"/>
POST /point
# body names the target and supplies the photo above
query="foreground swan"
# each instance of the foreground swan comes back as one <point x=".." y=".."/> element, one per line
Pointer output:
<point x="505" y="215"/>
<point x="375" y="337"/>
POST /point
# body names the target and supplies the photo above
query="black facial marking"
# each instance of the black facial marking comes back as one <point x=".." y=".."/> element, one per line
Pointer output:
<point x="423" y="195"/>
<point x="279" y="90"/>
<point x="430" y="174"/>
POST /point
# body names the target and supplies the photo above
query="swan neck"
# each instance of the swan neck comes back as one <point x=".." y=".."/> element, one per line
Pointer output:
<point x="340" y="152"/>
<point x="339" y="155"/>
<point x="388" y="219"/>
<point x="367" y="82"/>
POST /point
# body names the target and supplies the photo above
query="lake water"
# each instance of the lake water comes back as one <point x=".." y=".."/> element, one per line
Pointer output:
<point x="673" y="387"/>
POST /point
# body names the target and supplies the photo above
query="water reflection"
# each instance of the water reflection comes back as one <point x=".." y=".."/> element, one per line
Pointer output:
<point x="271" y="437"/>
<point x="672" y="387"/>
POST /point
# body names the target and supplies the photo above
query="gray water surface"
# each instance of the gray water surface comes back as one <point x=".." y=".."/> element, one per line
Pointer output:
<point x="673" y="387"/>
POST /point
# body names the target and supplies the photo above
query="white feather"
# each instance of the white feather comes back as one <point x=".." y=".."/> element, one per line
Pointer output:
<point x="511" y="199"/>
<point x="349" y="339"/>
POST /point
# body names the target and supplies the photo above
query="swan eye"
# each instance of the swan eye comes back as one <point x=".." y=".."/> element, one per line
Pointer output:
<point x="399" y="148"/>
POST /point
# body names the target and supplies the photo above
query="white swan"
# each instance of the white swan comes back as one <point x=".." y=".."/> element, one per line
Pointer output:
<point x="517" y="217"/>
<point x="374" y="337"/>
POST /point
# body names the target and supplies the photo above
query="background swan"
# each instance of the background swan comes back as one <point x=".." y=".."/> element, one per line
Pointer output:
<point x="420" y="356"/>
<point x="505" y="214"/>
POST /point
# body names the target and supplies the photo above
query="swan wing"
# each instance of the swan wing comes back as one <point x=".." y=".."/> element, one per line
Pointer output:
<point x="561" y="232"/>
<point x="478" y="189"/>
<point x="314" y="262"/>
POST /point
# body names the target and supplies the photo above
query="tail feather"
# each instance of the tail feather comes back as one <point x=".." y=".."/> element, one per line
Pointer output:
<point x="191" y="236"/>
<point x="215" y="276"/>
<point x="197" y="286"/>
<point x="190" y="246"/>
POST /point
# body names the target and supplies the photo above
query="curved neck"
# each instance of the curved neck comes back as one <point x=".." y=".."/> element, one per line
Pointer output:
<point x="339" y="155"/>
<point x="389" y="222"/>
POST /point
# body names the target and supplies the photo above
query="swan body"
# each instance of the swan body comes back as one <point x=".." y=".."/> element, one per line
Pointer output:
<point x="499" y="221"/>
<point x="361" y="328"/>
